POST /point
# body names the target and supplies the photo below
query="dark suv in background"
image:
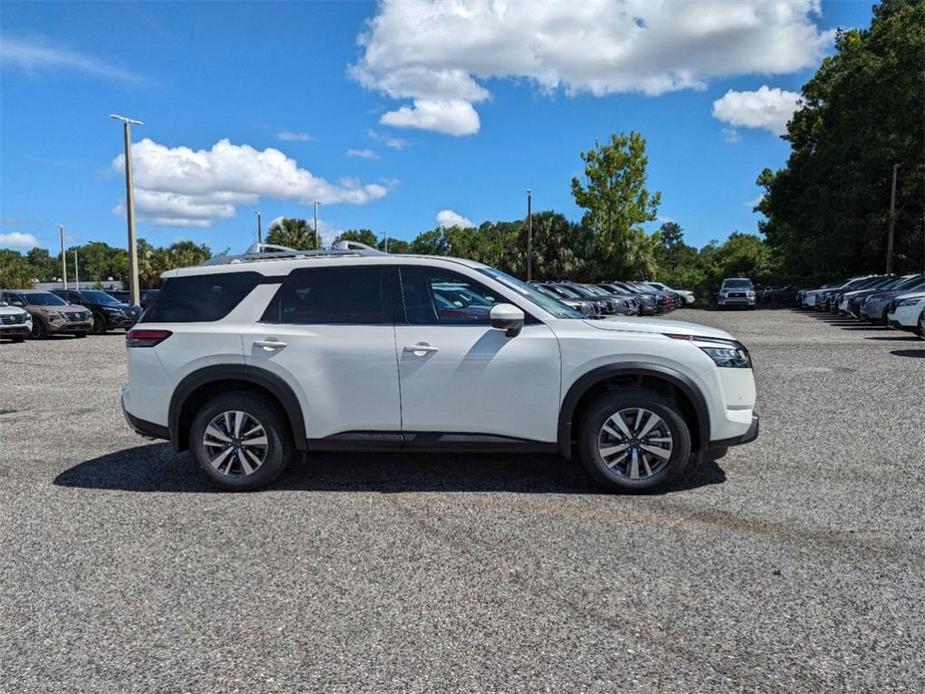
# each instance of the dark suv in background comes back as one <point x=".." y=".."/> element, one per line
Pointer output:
<point x="108" y="312"/>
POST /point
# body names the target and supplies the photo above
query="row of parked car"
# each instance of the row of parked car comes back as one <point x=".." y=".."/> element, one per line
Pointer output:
<point x="617" y="298"/>
<point x="894" y="300"/>
<point x="38" y="314"/>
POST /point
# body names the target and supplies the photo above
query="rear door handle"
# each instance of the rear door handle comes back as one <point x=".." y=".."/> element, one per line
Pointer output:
<point x="269" y="345"/>
<point x="420" y="349"/>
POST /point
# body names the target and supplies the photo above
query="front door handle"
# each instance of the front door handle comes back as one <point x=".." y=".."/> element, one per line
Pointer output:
<point x="270" y="344"/>
<point x="420" y="349"/>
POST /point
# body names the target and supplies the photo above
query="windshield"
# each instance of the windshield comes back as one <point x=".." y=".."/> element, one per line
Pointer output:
<point x="98" y="297"/>
<point x="563" y="291"/>
<point x="910" y="282"/>
<point x="737" y="284"/>
<point x="552" y="306"/>
<point x="44" y="299"/>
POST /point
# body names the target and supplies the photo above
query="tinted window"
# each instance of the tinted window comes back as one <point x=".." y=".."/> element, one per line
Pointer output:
<point x="44" y="299"/>
<point x="201" y="297"/>
<point x="334" y="295"/>
<point x="98" y="297"/>
<point x="435" y="296"/>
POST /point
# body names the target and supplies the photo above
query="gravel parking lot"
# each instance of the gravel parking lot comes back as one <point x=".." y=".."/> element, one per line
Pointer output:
<point x="796" y="563"/>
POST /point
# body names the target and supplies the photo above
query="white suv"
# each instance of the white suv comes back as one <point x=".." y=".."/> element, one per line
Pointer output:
<point x="246" y="360"/>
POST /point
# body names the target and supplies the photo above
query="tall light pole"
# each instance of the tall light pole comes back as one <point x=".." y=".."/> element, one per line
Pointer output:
<point x="63" y="258"/>
<point x="889" y="243"/>
<point x="529" y="234"/>
<point x="259" y="228"/>
<point x="130" y="206"/>
<point x="76" y="272"/>
<point x="317" y="240"/>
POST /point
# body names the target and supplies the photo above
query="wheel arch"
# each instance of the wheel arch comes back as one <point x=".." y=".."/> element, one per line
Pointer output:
<point x="660" y="378"/>
<point x="202" y="385"/>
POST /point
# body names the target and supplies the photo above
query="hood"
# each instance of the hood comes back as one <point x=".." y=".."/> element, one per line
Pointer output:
<point x="11" y="310"/>
<point x="657" y="325"/>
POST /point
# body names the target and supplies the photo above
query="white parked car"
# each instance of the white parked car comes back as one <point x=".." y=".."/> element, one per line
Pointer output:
<point x="736" y="291"/>
<point x="15" y="322"/>
<point x="685" y="294"/>
<point x="246" y="360"/>
<point x="907" y="312"/>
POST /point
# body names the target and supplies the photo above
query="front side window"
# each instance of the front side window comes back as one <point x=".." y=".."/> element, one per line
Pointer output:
<point x="433" y="296"/>
<point x="334" y="295"/>
<point x="200" y="298"/>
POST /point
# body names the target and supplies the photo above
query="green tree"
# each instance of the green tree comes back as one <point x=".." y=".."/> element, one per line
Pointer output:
<point x="396" y="246"/>
<point x="429" y="243"/>
<point x="292" y="233"/>
<point x="187" y="254"/>
<point x="827" y="210"/>
<point x="360" y="236"/>
<point x="617" y="201"/>
<point x="46" y="268"/>
<point x="15" y="271"/>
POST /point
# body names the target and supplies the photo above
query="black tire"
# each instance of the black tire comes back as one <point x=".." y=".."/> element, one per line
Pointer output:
<point x="18" y="338"/>
<point x="38" y="330"/>
<point x="614" y="401"/>
<point x="99" y="324"/>
<point x="80" y="334"/>
<point x="279" y="440"/>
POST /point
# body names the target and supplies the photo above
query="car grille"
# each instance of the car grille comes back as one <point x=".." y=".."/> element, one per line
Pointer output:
<point x="76" y="317"/>
<point x="13" y="320"/>
<point x="737" y="294"/>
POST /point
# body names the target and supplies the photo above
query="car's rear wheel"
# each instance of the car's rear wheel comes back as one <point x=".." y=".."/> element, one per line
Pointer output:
<point x="80" y="334"/>
<point x="18" y="338"/>
<point x="634" y="440"/>
<point x="922" y="324"/>
<point x="241" y="441"/>
<point x="38" y="330"/>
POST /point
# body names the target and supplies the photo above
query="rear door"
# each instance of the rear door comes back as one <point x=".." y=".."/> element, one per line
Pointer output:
<point x="329" y="333"/>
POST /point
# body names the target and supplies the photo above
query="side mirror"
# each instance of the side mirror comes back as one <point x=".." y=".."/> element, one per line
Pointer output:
<point x="508" y="318"/>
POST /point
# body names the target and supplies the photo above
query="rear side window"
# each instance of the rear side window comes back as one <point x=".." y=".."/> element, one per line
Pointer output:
<point x="335" y="296"/>
<point x="200" y="298"/>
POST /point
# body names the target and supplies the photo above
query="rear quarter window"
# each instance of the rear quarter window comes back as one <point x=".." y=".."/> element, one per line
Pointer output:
<point x="200" y="298"/>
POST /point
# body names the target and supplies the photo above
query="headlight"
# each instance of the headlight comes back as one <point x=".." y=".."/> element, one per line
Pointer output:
<point x="908" y="302"/>
<point x="728" y="357"/>
<point x="727" y="354"/>
<point x="750" y="295"/>
<point x="54" y="315"/>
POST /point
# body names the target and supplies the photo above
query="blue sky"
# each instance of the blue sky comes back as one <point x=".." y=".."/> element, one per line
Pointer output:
<point x="200" y="73"/>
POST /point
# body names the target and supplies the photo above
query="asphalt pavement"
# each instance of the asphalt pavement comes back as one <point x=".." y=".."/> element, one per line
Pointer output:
<point x="796" y="563"/>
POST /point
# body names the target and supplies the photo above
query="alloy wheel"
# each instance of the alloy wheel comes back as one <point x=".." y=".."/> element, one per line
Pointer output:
<point x="235" y="443"/>
<point x="635" y="443"/>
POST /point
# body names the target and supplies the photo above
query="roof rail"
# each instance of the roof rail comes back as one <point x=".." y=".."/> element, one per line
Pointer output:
<point x="269" y="251"/>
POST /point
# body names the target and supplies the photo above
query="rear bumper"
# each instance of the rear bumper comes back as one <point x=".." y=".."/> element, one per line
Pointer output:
<point x="149" y="430"/>
<point x="720" y="446"/>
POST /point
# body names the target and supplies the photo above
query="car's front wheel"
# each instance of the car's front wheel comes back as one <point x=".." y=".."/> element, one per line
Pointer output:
<point x="922" y="324"/>
<point x="634" y="440"/>
<point x="99" y="324"/>
<point x="38" y="330"/>
<point x="241" y="441"/>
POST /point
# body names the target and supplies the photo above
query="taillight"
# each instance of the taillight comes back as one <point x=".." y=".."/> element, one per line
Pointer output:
<point x="139" y="337"/>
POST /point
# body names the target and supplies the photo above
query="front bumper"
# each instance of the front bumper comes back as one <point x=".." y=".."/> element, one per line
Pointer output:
<point x="15" y="330"/>
<point x="717" y="448"/>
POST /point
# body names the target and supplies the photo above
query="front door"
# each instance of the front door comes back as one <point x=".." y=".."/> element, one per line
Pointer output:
<point x="460" y="375"/>
<point x="329" y="332"/>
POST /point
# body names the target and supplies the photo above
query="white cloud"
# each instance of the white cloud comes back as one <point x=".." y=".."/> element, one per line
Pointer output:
<point x="449" y="116"/>
<point x="17" y="239"/>
<point x="449" y="218"/>
<point x="437" y="53"/>
<point x="289" y="136"/>
<point x="179" y="186"/>
<point x="765" y="108"/>
<point x="362" y="153"/>
<point x="395" y="143"/>
<point x="34" y="56"/>
<point x="731" y="135"/>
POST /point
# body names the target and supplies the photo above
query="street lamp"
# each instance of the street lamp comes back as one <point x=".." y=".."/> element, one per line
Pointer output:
<point x="529" y="234"/>
<point x="259" y="227"/>
<point x="130" y="206"/>
<point x="317" y="240"/>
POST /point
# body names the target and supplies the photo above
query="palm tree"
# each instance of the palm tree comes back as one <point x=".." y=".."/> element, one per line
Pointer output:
<point x="292" y="233"/>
